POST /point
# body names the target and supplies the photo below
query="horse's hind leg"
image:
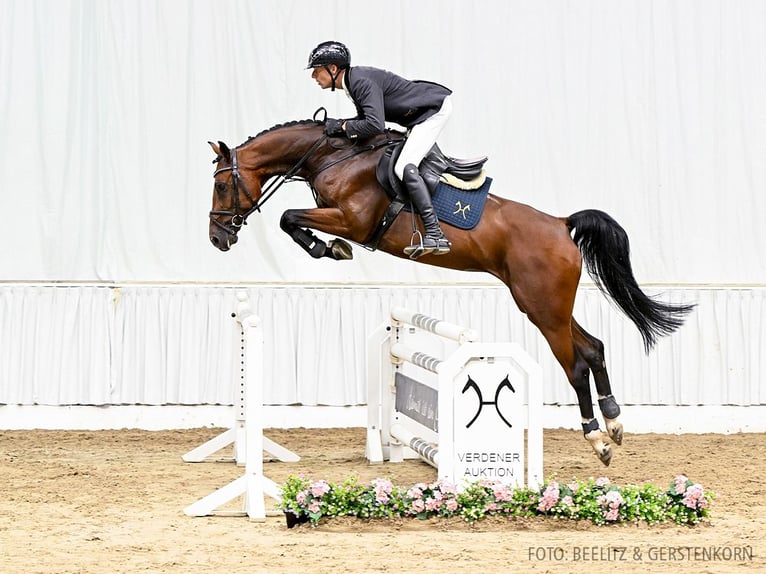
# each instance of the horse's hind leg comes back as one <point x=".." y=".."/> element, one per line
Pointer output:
<point x="577" y="369"/>
<point x="592" y="351"/>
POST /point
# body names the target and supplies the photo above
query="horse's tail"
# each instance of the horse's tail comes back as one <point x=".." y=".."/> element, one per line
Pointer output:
<point x="606" y="251"/>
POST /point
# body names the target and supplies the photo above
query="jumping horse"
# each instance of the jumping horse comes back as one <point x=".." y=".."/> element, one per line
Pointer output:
<point x="537" y="256"/>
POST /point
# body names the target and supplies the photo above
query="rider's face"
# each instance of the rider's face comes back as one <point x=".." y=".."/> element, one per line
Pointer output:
<point x="322" y="76"/>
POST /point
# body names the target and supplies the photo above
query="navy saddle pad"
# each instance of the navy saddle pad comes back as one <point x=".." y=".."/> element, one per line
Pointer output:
<point x="459" y="207"/>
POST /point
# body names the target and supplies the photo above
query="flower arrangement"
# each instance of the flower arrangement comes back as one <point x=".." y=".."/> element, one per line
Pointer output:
<point x="601" y="502"/>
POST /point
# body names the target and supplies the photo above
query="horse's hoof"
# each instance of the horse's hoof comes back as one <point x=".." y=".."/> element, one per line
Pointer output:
<point x="615" y="431"/>
<point x="340" y="250"/>
<point x="605" y="455"/>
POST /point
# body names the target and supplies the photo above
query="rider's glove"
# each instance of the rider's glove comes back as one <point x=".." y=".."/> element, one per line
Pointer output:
<point x="334" y="128"/>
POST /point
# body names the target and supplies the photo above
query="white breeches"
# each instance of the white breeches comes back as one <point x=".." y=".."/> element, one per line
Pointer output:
<point x="422" y="137"/>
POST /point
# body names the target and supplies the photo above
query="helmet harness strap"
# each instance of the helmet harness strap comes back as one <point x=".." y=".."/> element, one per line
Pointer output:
<point x="333" y="77"/>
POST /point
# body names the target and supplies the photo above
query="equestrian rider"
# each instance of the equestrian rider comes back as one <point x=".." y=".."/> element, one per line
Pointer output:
<point x="379" y="96"/>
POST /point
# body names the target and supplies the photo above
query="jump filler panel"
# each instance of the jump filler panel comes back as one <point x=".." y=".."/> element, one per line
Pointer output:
<point x="474" y="414"/>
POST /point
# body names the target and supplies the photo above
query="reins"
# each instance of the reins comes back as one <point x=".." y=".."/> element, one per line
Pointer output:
<point x="239" y="218"/>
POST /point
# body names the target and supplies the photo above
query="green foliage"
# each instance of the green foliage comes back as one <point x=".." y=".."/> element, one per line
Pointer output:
<point x="598" y="501"/>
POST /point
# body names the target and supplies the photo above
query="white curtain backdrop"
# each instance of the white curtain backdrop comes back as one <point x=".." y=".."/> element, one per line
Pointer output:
<point x="110" y="292"/>
<point x="154" y="345"/>
<point x="654" y="111"/>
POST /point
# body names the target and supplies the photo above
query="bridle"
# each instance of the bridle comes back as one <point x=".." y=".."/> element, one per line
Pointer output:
<point x="238" y="215"/>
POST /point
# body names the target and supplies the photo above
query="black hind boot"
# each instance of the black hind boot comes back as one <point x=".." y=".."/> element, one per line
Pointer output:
<point x="434" y="240"/>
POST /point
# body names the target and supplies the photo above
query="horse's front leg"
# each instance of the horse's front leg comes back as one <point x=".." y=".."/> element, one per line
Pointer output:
<point x="295" y="222"/>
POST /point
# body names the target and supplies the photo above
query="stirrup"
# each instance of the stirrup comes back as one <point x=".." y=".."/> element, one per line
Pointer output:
<point x="415" y="250"/>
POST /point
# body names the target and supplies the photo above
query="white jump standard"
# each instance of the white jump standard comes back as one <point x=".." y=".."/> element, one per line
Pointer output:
<point x="440" y="409"/>
<point x="247" y="435"/>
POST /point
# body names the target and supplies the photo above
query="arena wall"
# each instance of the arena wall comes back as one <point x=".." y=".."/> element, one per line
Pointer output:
<point x="112" y="298"/>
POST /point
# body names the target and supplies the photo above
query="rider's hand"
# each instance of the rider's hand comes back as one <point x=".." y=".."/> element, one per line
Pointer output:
<point x="334" y="128"/>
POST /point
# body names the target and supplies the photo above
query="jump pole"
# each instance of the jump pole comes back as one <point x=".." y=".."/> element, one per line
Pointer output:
<point x="252" y="484"/>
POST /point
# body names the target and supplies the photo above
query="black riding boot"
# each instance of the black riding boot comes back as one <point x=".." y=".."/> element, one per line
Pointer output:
<point x="434" y="240"/>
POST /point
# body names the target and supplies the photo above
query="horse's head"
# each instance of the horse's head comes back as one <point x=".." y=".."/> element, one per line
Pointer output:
<point x="246" y="176"/>
<point x="235" y="194"/>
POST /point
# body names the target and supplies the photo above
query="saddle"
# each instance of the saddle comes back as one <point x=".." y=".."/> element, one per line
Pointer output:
<point x="436" y="166"/>
<point x="445" y="177"/>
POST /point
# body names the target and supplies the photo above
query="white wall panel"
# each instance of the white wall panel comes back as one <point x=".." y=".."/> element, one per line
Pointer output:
<point x="154" y="345"/>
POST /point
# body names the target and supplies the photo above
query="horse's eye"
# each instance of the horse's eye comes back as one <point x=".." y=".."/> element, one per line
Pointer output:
<point x="220" y="187"/>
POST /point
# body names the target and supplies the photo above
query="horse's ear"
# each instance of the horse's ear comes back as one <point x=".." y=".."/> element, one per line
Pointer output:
<point x="225" y="151"/>
<point x="221" y="150"/>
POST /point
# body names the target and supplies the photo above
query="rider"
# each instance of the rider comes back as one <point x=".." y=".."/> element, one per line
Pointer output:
<point x="379" y="96"/>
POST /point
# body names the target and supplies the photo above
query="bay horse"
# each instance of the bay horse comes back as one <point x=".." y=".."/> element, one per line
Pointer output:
<point x="537" y="256"/>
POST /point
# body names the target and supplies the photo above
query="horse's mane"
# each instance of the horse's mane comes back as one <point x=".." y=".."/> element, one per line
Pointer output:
<point x="284" y="125"/>
<point x="389" y="132"/>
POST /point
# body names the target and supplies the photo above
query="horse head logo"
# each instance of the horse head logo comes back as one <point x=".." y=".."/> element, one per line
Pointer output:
<point x="460" y="209"/>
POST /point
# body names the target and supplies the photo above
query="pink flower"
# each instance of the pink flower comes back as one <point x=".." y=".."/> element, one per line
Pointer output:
<point x="694" y="497"/>
<point x="418" y="506"/>
<point x="433" y="503"/>
<point x="567" y="501"/>
<point x="416" y="491"/>
<point x="611" y="500"/>
<point x="319" y="488"/>
<point x="300" y="498"/>
<point x="382" y="489"/>
<point x="451" y="504"/>
<point x="614" y="499"/>
<point x="502" y="492"/>
<point x="680" y="484"/>
<point x="382" y="485"/>
<point x="314" y="506"/>
<point x="550" y="497"/>
<point x="602" y="481"/>
<point x="447" y="487"/>
<point x="545" y="505"/>
<point x="573" y="486"/>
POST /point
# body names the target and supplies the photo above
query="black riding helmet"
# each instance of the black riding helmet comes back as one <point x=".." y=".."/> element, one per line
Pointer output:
<point x="327" y="53"/>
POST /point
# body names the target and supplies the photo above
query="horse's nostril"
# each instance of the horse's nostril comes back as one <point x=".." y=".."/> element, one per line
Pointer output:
<point x="214" y="240"/>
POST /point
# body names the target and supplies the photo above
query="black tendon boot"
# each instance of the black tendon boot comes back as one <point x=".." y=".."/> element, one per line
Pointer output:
<point x="434" y="240"/>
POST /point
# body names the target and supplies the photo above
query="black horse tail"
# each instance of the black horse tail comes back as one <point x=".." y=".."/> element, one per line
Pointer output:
<point x="606" y="251"/>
